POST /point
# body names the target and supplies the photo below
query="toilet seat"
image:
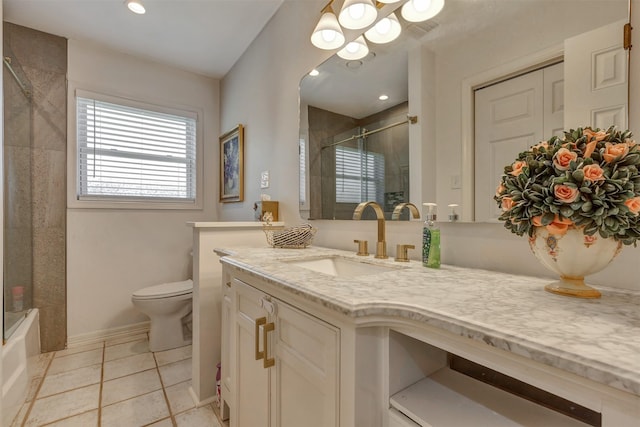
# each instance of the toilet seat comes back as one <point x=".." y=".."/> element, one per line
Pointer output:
<point x="165" y="290"/>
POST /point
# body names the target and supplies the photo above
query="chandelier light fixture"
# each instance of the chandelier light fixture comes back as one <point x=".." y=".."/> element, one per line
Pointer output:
<point x="360" y="14"/>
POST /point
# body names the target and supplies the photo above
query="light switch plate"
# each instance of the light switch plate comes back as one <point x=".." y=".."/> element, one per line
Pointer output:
<point x="264" y="179"/>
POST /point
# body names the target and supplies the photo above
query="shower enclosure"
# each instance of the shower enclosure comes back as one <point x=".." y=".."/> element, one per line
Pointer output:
<point x="365" y="163"/>
<point x="18" y="206"/>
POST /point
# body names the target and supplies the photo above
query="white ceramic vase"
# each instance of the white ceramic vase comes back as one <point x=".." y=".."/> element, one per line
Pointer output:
<point x="573" y="256"/>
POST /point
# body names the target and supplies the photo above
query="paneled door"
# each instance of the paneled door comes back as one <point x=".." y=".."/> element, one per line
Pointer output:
<point x="510" y="117"/>
<point x="596" y="94"/>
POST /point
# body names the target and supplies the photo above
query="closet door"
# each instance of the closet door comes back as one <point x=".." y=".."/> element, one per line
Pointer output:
<point x="510" y="117"/>
<point x="596" y="94"/>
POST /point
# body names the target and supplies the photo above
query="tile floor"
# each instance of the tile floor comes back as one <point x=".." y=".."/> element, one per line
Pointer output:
<point x="115" y="383"/>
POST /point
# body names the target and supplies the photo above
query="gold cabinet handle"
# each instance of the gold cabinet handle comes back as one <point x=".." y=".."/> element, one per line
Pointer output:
<point x="259" y="322"/>
<point x="268" y="362"/>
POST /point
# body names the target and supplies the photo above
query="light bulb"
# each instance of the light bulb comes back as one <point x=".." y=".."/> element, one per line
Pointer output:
<point x="421" y="10"/>
<point x="386" y="30"/>
<point x="135" y="6"/>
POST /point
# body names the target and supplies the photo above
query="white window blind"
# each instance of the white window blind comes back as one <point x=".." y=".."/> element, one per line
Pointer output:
<point x="133" y="153"/>
<point x="359" y="175"/>
<point x="303" y="171"/>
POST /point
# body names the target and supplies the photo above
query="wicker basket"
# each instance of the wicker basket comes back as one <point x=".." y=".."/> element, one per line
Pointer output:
<point x="291" y="237"/>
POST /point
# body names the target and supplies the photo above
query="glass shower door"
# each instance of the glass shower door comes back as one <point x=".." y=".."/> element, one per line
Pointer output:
<point x="18" y="200"/>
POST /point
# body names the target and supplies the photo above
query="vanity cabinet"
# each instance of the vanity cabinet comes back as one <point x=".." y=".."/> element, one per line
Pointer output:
<point x="281" y="363"/>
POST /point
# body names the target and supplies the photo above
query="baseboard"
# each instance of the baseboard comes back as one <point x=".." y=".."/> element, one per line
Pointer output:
<point x="213" y="399"/>
<point x="122" y="332"/>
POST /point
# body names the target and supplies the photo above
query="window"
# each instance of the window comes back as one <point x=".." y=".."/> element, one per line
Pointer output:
<point x="127" y="153"/>
<point x="303" y="171"/>
<point x="359" y="175"/>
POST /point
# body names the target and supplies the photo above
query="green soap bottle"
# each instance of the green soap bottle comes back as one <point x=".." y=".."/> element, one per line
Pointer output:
<point x="431" y="239"/>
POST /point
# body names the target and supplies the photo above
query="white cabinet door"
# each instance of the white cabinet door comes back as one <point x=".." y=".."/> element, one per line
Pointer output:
<point x="306" y="384"/>
<point x="250" y="378"/>
<point x="300" y="387"/>
<point x="596" y="93"/>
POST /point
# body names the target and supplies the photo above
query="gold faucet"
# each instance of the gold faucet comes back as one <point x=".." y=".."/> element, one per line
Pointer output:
<point x="412" y="208"/>
<point x="381" y="245"/>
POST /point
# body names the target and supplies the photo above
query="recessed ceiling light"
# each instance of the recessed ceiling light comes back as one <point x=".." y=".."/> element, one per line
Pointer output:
<point x="383" y="97"/>
<point x="314" y="72"/>
<point x="135" y="6"/>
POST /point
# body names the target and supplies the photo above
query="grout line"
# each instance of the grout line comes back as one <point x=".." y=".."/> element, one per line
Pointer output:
<point x="164" y="392"/>
<point x="104" y="350"/>
<point x="35" y="395"/>
<point x="65" y="418"/>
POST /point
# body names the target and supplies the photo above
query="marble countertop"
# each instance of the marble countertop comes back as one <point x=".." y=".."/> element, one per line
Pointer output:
<point x="596" y="339"/>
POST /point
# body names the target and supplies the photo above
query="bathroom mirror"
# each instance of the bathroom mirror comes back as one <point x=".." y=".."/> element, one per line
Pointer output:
<point x="431" y="72"/>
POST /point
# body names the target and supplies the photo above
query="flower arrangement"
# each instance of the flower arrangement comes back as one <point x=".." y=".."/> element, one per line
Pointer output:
<point x="589" y="180"/>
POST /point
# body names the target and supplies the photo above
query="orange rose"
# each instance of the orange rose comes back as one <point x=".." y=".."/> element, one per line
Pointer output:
<point x="593" y="173"/>
<point x="615" y="151"/>
<point x="507" y="203"/>
<point x="536" y="221"/>
<point x="592" y="140"/>
<point x="566" y="194"/>
<point x="562" y="158"/>
<point x="633" y="205"/>
<point x="559" y="226"/>
<point x="517" y="167"/>
<point x="501" y="188"/>
<point x="589" y="149"/>
<point x="592" y="135"/>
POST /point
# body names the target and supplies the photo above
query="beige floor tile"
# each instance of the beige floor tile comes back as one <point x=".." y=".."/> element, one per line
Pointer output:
<point x="75" y="361"/>
<point x="176" y="372"/>
<point x="79" y="349"/>
<point x="63" y="405"/>
<point x="162" y="423"/>
<point x="116" y="341"/>
<point x="173" y="355"/>
<point x="128" y="365"/>
<point x="138" y="411"/>
<point x="69" y="380"/>
<point x="179" y="397"/>
<point x="198" y="417"/>
<point x="130" y="386"/>
<point x="119" y="351"/>
<point x="88" y="419"/>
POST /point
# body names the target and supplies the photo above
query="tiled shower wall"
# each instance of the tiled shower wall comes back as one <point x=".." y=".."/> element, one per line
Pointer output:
<point x="43" y="59"/>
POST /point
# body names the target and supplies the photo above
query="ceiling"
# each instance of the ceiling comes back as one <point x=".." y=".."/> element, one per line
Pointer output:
<point x="202" y="36"/>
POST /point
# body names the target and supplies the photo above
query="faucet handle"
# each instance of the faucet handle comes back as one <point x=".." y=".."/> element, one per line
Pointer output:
<point x="362" y="247"/>
<point x="401" y="252"/>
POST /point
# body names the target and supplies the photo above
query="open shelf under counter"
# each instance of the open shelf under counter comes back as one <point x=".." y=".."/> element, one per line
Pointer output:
<point x="452" y="399"/>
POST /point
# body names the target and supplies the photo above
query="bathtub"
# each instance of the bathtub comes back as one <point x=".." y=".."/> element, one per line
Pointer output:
<point x="18" y="357"/>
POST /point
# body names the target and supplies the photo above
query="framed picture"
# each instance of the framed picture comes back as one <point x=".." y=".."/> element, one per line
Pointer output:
<point x="232" y="166"/>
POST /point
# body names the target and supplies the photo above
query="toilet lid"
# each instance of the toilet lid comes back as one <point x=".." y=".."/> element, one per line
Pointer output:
<point x="165" y="290"/>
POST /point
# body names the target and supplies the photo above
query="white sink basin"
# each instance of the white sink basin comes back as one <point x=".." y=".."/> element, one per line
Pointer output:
<point x="340" y="267"/>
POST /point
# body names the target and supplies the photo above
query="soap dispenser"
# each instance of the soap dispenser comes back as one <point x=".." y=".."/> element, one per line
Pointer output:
<point x="431" y="239"/>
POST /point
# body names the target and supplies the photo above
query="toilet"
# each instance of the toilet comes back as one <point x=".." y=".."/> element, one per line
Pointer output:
<point x="169" y="308"/>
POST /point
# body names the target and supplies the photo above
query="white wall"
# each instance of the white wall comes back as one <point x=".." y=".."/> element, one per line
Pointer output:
<point x="261" y="92"/>
<point x="110" y="252"/>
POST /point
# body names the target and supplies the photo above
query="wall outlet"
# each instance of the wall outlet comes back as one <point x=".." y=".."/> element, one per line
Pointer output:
<point x="264" y="179"/>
